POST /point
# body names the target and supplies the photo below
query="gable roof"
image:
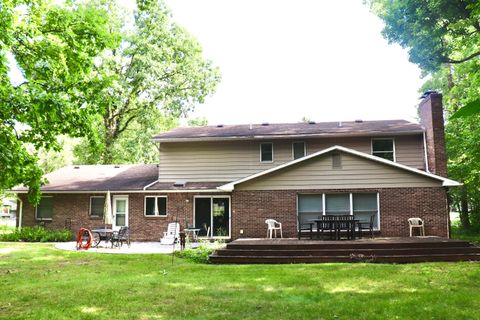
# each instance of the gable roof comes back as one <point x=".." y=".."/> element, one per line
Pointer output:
<point x="99" y="178"/>
<point x="445" y="182"/>
<point x="284" y="130"/>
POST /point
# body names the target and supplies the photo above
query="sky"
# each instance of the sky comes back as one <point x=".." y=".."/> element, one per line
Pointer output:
<point x="284" y="60"/>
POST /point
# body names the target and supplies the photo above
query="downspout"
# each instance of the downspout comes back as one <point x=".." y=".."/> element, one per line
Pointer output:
<point x="150" y="184"/>
<point x="427" y="169"/>
<point x="20" y="214"/>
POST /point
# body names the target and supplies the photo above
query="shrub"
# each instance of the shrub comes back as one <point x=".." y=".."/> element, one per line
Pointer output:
<point x="37" y="234"/>
<point x="199" y="254"/>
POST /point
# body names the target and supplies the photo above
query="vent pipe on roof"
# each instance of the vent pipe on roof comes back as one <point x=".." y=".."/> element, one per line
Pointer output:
<point x="340" y="123"/>
<point x="251" y="126"/>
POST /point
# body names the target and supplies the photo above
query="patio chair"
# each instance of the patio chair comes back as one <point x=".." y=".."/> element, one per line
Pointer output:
<point x="120" y="237"/>
<point x="171" y="236"/>
<point x="272" y="227"/>
<point x="305" y="226"/>
<point x="366" y="225"/>
<point x="416" y="223"/>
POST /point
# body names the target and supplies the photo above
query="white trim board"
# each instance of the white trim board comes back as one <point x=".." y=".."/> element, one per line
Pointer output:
<point x="445" y="182"/>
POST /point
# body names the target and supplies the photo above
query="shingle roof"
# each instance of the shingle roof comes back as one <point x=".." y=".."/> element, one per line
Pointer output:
<point x="188" y="186"/>
<point x="100" y="178"/>
<point x="258" y="131"/>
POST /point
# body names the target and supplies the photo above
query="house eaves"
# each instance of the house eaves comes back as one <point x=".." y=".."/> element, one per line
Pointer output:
<point x="445" y="182"/>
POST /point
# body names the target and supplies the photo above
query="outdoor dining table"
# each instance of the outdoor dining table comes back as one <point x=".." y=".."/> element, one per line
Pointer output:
<point x="194" y="232"/>
<point x="100" y="234"/>
<point x="335" y="226"/>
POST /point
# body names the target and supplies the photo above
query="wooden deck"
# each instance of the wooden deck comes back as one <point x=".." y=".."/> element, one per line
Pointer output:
<point x="378" y="250"/>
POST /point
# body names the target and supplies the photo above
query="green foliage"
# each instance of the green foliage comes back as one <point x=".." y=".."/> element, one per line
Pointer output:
<point x="37" y="234"/>
<point x="156" y="74"/>
<point x="434" y="31"/>
<point x="469" y="110"/>
<point x="199" y="254"/>
<point x="198" y="122"/>
<point x="54" y="47"/>
<point x="443" y="38"/>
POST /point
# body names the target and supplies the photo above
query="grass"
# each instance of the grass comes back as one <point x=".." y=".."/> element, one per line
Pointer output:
<point x="40" y="282"/>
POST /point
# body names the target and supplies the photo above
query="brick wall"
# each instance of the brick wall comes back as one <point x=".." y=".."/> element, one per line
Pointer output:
<point x="142" y="228"/>
<point x="431" y="118"/>
<point x="250" y="209"/>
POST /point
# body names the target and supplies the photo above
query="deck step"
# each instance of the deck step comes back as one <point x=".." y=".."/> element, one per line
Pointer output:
<point x="216" y="259"/>
<point x="348" y="245"/>
<point x="386" y="250"/>
<point x="346" y="251"/>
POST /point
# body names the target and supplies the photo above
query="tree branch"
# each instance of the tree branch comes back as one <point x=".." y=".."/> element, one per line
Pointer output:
<point x="125" y="125"/>
<point x="473" y="55"/>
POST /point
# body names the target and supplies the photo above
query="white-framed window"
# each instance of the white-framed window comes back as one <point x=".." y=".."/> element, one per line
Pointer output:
<point x="362" y="205"/>
<point x="155" y="206"/>
<point x="97" y="205"/>
<point x="44" y="210"/>
<point x="266" y="152"/>
<point x="299" y="150"/>
<point x="384" y="148"/>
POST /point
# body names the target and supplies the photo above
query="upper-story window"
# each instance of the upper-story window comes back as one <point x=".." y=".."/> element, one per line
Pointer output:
<point x="298" y="150"/>
<point x="384" y="148"/>
<point x="266" y="152"/>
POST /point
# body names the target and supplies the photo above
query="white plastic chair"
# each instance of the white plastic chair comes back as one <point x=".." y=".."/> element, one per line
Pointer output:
<point x="416" y="223"/>
<point x="272" y="227"/>
<point x="169" y="237"/>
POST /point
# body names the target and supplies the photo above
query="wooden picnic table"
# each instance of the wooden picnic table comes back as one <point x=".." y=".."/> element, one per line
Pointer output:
<point x="335" y="225"/>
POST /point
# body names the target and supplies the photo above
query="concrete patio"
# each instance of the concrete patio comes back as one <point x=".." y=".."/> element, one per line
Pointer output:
<point x="135" y="248"/>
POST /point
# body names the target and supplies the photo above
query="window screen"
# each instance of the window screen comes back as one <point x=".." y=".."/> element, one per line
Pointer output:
<point x="266" y="152"/>
<point x="309" y="207"/>
<point x="96" y="206"/>
<point x="298" y="150"/>
<point x="337" y="204"/>
<point x="162" y="206"/>
<point x="155" y="206"/>
<point x="45" y="209"/>
<point x="364" y="206"/>
<point x="383" y="148"/>
<point x="150" y="206"/>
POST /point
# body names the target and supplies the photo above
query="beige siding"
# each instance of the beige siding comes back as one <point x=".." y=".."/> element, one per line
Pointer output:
<point x="232" y="160"/>
<point x="356" y="172"/>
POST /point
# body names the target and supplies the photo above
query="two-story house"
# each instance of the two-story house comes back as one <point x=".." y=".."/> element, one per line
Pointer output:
<point x="229" y="178"/>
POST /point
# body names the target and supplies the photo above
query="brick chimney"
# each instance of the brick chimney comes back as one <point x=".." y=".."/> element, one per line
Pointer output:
<point x="431" y="119"/>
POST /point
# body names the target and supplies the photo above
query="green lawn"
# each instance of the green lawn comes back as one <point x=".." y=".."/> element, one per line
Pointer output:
<point x="40" y="282"/>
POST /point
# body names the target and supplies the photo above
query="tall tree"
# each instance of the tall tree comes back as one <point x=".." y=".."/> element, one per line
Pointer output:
<point x="443" y="38"/>
<point x="54" y="46"/>
<point x="436" y="33"/>
<point x="158" y="66"/>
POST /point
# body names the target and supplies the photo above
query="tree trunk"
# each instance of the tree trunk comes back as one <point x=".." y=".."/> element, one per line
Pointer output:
<point x="110" y="135"/>
<point x="464" y="216"/>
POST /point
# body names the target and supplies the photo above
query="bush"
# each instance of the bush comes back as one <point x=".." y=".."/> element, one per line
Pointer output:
<point x="37" y="234"/>
<point x="199" y="254"/>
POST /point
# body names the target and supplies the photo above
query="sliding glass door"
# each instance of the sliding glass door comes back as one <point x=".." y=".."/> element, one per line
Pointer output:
<point x="212" y="216"/>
